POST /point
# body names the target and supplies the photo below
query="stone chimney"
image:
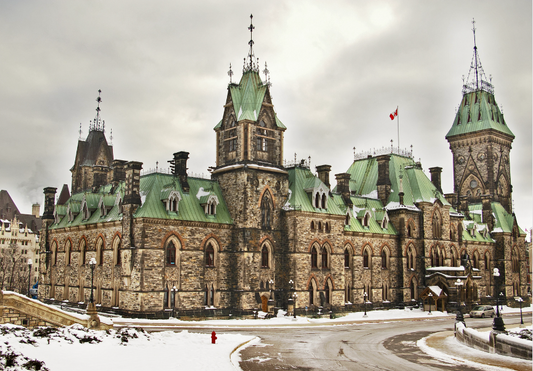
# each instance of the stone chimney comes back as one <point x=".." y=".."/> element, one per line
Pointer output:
<point x="118" y="170"/>
<point x="36" y="210"/>
<point x="343" y="187"/>
<point x="133" y="182"/>
<point x="323" y="174"/>
<point x="383" y="183"/>
<point x="179" y="168"/>
<point x="49" y="203"/>
<point x="435" y="177"/>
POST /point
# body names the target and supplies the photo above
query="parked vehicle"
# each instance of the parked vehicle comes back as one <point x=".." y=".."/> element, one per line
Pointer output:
<point x="482" y="311"/>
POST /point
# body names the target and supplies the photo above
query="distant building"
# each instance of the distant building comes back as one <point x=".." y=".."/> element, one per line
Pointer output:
<point x="19" y="246"/>
<point x="261" y="230"/>
<point x="8" y="211"/>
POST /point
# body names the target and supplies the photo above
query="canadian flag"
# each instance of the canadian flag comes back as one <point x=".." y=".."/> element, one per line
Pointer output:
<point x="394" y="114"/>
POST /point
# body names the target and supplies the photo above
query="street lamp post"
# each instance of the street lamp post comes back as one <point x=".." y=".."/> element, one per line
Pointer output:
<point x="520" y="300"/>
<point x="29" y="276"/>
<point x="92" y="264"/>
<point x="364" y="299"/>
<point x="498" y="324"/>
<point x="295" y="296"/>
<point x="430" y="296"/>
<point x="173" y="290"/>
<point x="459" y="315"/>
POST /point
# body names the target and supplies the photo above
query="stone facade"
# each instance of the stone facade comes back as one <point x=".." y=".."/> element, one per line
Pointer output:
<point x="287" y="232"/>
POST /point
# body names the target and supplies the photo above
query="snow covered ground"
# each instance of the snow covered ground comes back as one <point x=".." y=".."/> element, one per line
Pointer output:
<point x="78" y="348"/>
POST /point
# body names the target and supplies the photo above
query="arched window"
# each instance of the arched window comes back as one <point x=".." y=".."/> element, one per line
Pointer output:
<point x="476" y="260"/>
<point x="328" y="227"/>
<point x="348" y="294"/>
<point x="515" y="261"/>
<point x="312" y="226"/>
<point x="454" y="258"/>
<point x="325" y="258"/>
<point x="411" y="255"/>
<point x="166" y="297"/>
<point x="170" y="253"/>
<point x="317" y="200"/>
<point x="487" y="261"/>
<point x="366" y="220"/>
<point x="100" y="251"/>
<point x="385" y="292"/>
<point x="314" y="258"/>
<point x="54" y="253"/>
<point x="384" y="258"/>
<point x="209" y="256"/>
<point x="116" y="251"/>
<point x="436" y="226"/>
<point x="264" y="257"/>
<point x="68" y="248"/>
<point x="346" y="258"/>
<point x="82" y="252"/>
<point x="266" y="211"/>
<point x="366" y="259"/>
<point x="324" y="201"/>
<point x="320" y="226"/>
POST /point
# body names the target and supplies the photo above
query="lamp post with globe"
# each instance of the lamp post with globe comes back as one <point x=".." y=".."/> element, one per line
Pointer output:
<point x="498" y="324"/>
<point x="459" y="315"/>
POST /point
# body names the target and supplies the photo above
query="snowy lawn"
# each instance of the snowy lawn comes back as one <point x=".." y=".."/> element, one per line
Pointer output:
<point x="76" y="348"/>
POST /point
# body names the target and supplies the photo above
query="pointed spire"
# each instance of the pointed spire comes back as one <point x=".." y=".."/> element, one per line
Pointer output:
<point x="253" y="63"/>
<point x="476" y="79"/>
<point x="230" y="74"/>
<point x="97" y="124"/>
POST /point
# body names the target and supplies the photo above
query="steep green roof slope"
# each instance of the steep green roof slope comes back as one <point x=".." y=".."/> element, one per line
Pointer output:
<point x="478" y="111"/>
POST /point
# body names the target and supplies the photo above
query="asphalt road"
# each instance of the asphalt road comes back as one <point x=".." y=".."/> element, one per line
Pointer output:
<point x="367" y="346"/>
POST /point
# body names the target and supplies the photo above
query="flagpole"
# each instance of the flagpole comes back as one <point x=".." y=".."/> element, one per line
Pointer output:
<point x="398" y="121"/>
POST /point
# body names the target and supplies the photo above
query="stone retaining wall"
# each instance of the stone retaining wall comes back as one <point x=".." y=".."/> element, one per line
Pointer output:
<point x="498" y="343"/>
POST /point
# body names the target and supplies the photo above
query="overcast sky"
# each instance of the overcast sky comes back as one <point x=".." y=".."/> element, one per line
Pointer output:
<point x="337" y="68"/>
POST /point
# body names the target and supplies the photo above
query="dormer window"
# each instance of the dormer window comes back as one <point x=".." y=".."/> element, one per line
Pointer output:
<point x="85" y="210"/>
<point x="366" y="219"/>
<point x="385" y="221"/>
<point x="347" y="219"/>
<point x="172" y="201"/>
<point x="210" y="206"/>
<point x="56" y="217"/>
<point x="70" y="215"/>
<point x="101" y="206"/>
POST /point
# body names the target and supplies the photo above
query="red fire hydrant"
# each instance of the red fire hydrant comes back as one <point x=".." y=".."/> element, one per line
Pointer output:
<point x="213" y="337"/>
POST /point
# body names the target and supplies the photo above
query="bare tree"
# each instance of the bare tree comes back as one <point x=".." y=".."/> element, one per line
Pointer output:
<point x="12" y="276"/>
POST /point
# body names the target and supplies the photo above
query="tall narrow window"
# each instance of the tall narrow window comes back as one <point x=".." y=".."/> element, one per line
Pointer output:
<point x="68" y="248"/>
<point x="346" y="258"/>
<point x="171" y="253"/>
<point x="384" y="259"/>
<point x="314" y="258"/>
<point x="324" y="201"/>
<point x="266" y="211"/>
<point x="82" y="252"/>
<point x="327" y="293"/>
<point x="311" y="294"/>
<point x="264" y="257"/>
<point x="436" y="226"/>
<point x="324" y="257"/>
<point x="366" y="259"/>
<point x="210" y="256"/>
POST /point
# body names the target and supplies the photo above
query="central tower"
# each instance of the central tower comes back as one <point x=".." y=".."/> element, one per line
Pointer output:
<point x="250" y="131"/>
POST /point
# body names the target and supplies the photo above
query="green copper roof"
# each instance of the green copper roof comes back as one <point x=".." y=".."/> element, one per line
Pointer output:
<point x="503" y="221"/>
<point x="154" y="189"/>
<point x="417" y="187"/>
<point x="301" y="184"/>
<point x="248" y="97"/>
<point x="478" y="111"/>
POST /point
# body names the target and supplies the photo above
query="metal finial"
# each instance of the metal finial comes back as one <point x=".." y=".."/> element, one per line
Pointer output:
<point x="80" y="130"/>
<point x="111" y="137"/>
<point x="230" y="73"/>
<point x="391" y="145"/>
<point x="354" y="154"/>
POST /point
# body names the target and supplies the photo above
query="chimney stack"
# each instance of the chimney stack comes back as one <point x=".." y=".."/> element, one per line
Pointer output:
<point x="36" y="210"/>
<point x="132" y="194"/>
<point x="343" y="187"/>
<point x="323" y="174"/>
<point x="179" y="168"/>
<point x="435" y="177"/>
<point x="49" y="203"/>
<point x="383" y="183"/>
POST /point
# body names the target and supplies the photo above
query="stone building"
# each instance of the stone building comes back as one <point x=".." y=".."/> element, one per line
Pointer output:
<point x="261" y="231"/>
<point x="19" y="246"/>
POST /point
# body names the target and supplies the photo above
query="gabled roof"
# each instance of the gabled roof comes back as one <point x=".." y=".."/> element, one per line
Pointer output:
<point x="478" y="111"/>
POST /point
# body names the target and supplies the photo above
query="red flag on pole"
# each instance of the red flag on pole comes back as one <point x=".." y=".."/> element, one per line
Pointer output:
<point x="394" y="114"/>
